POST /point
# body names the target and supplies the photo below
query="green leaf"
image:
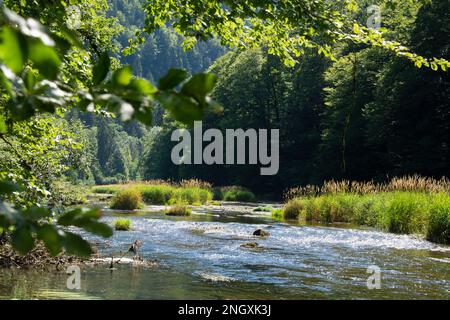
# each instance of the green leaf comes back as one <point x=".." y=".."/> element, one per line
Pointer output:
<point x="100" y="70"/>
<point x="22" y="240"/>
<point x="8" y="215"/>
<point x="44" y="58"/>
<point x="182" y="108"/>
<point x="3" y="127"/>
<point x="98" y="228"/>
<point x="12" y="49"/>
<point x="29" y="79"/>
<point x="74" y="244"/>
<point x="7" y="187"/>
<point x="36" y="213"/>
<point x="145" y="115"/>
<point x="49" y="235"/>
<point x="173" y="78"/>
<point x="199" y="86"/>
<point x="86" y="219"/>
<point x="22" y="110"/>
<point x="142" y="86"/>
<point x="122" y="77"/>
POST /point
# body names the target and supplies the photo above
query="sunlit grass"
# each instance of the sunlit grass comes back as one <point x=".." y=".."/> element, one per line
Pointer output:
<point x="128" y="199"/>
<point x="401" y="212"/>
<point x="179" y="209"/>
<point x="162" y="193"/>
<point x="122" y="224"/>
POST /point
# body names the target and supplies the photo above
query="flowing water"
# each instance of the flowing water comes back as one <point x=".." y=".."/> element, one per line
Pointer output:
<point x="201" y="257"/>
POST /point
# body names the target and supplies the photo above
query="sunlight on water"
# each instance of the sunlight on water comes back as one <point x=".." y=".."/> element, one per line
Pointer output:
<point x="206" y="256"/>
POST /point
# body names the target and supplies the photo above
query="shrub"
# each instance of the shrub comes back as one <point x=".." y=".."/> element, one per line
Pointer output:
<point x="405" y="212"/>
<point x="277" y="214"/>
<point x="128" y="199"/>
<point x="122" y="224"/>
<point x="157" y="194"/>
<point x="239" y="195"/>
<point x="368" y="209"/>
<point x="179" y="210"/>
<point x="438" y="229"/>
<point x="217" y="193"/>
<point x="293" y="208"/>
<point x="110" y="189"/>
<point x="205" y="196"/>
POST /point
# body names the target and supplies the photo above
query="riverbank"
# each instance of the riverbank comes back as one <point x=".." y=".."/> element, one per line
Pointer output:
<point x="205" y="256"/>
<point x="401" y="207"/>
<point x="193" y="192"/>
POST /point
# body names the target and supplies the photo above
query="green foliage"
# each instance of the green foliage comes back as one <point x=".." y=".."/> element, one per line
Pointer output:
<point x="278" y="214"/>
<point x="35" y="78"/>
<point x="162" y="193"/>
<point x="284" y="27"/>
<point x="157" y="194"/>
<point x="405" y="212"/>
<point x="128" y="199"/>
<point x="398" y="212"/>
<point x="293" y="209"/>
<point x="233" y="193"/>
<point x="375" y="100"/>
<point x="35" y="223"/>
<point x="192" y="195"/>
<point x="179" y="209"/>
<point x="239" y="194"/>
<point x="438" y="229"/>
<point x="122" y="224"/>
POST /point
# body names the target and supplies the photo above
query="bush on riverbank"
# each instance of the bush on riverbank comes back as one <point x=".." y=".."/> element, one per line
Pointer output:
<point x="188" y="191"/>
<point x="233" y="193"/>
<point x="293" y="209"/>
<point x="438" y="228"/>
<point x="179" y="209"/>
<point x="277" y="214"/>
<point x="122" y="224"/>
<point x="398" y="212"/>
<point x="128" y="199"/>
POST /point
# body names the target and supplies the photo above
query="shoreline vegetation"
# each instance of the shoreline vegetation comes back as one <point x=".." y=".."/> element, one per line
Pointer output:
<point x="408" y="205"/>
<point x="194" y="192"/>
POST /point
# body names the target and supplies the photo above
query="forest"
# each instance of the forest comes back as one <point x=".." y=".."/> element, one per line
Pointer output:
<point x="93" y="90"/>
<point x="366" y="115"/>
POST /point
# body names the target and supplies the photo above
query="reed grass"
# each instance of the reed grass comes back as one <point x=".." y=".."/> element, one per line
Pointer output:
<point x="425" y="212"/>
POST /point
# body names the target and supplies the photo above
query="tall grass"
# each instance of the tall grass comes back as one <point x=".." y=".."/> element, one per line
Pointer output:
<point x="234" y="193"/>
<point x="413" y="183"/>
<point x="128" y="199"/>
<point x="179" y="209"/>
<point x="402" y="212"/>
<point x="122" y="224"/>
<point x="164" y="192"/>
<point x="438" y="228"/>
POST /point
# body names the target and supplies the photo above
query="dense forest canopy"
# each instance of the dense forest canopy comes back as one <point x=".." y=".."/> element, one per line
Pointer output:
<point x="368" y="114"/>
<point x="96" y="101"/>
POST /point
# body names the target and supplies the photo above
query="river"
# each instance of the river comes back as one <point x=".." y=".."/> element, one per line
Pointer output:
<point x="202" y="257"/>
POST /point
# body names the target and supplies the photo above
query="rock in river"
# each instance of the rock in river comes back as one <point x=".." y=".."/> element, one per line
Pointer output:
<point x="261" y="233"/>
<point x="250" y="245"/>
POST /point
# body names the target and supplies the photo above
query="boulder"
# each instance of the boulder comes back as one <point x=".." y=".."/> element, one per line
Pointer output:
<point x="250" y="245"/>
<point x="261" y="233"/>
